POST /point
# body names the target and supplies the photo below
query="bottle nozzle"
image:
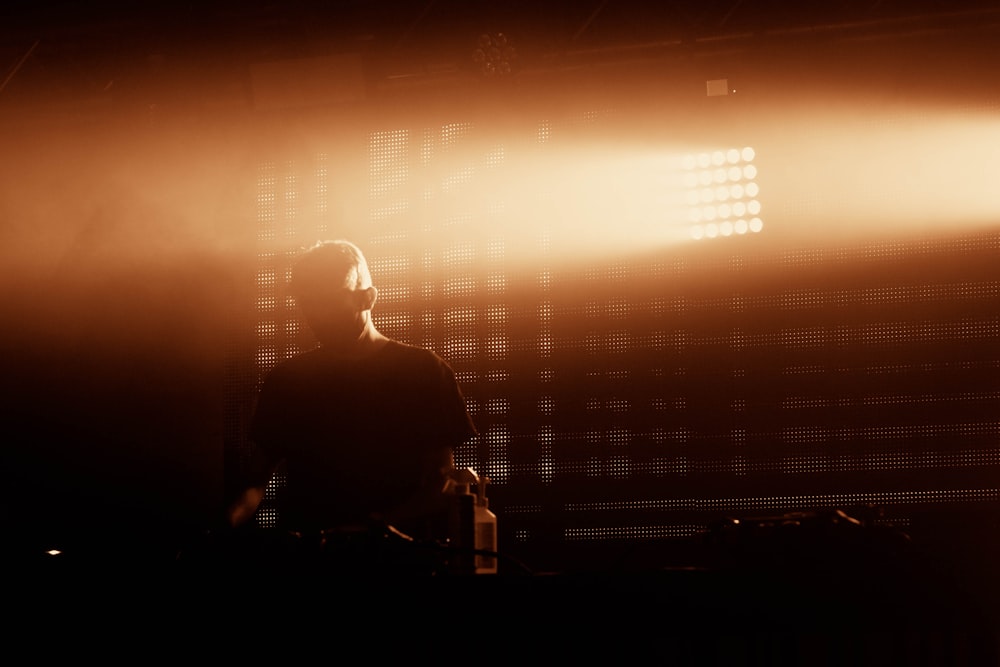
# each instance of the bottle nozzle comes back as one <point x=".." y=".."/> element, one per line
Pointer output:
<point x="460" y="480"/>
<point x="481" y="490"/>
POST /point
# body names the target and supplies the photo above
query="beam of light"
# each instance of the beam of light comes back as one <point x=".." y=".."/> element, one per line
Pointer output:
<point x="811" y="171"/>
<point x="855" y="174"/>
<point x="807" y="173"/>
<point x="595" y="201"/>
<point x="722" y="193"/>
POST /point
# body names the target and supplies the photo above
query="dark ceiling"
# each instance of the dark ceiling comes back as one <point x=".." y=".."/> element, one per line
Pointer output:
<point x="258" y="25"/>
<point x="86" y="45"/>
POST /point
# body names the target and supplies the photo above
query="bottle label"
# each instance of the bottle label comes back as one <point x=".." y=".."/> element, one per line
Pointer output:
<point x="486" y="540"/>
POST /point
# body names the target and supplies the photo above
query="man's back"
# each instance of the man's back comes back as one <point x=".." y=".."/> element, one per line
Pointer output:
<point x="358" y="435"/>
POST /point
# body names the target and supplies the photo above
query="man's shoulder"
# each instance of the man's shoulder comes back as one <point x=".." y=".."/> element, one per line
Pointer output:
<point x="399" y="347"/>
<point x="400" y="352"/>
<point x="299" y="360"/>
<point x="394" y="354"/>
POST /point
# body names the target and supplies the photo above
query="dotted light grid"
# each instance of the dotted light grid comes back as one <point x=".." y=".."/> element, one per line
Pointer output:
<point x="453" y="133"/>
<point x="617" y="465"/>
<point x="498" y="343"/>
<point x="878" y="251"/>
<point x="878" y="498"/>
<point x="497" y="465"/>
<point x="394" y="278"/>
<point x="266" y="517"/>
<point x="632" y="532"/>
<point x="267" y="187"/>
<point x="896" y="334"/>
<point x="722" y="193"/>
<point x="461" y="177"/>
<point x="266" y="354"/>
<point x="898" y="460"/>
<point x="682" y="466"/>
<point x="815" y="298"/>
<point x="291" y="198"/>
<point x="462" y="345"/>
<point x="278" y="329"/>
<point x="544" y="132"/>
<point x="546" y="463"/>
<point x="322" y="192"/>
<point x="388" y="157"/>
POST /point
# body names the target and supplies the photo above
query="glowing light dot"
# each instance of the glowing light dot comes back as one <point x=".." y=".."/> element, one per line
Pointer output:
<point x="704" y="160"/>
<point x="739" y="209"/>
<point x="722" y="193"/>
<point x="724" y="211"/>
<point x="736" y="191"/>
<point x="733" y="156"/>
<point x="707" y="196"/>
<point x="695" y="215"/>
<point x="752" y="189"/>
<point x="753" y="207"/>
<point x="711" y="230"/>
<point x="719" y="175"/>
<point x="705" y="178"/>
<point x="735" y="173"/>
<point x="748" y="154"/>
<point x="741" y="226"/>
<point x="718" y="157"/>
<point x="709" y="212"/>
<point x="726" y="229"/>
<point x="697" y="232"/>
<point x="756" y="224"/>
<point x="750" y="172"/>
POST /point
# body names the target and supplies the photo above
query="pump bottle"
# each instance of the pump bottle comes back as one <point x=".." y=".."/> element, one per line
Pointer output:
<point x="486" y="531"/>
<point x="472" y="525"/>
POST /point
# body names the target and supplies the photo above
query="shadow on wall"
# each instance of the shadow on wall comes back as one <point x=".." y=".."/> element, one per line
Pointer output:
<point x="121" y="283"/>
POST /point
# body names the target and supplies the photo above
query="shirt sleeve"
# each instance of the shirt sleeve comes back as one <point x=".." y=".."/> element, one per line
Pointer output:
<point x="265" y="427"/>
<point x="458" y="423"/>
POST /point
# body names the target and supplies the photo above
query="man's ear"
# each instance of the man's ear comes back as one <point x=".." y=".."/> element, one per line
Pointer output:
<point x="367" y="297"/>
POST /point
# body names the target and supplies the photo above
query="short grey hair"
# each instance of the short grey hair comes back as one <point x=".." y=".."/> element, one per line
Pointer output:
<point x="329" y="261"/>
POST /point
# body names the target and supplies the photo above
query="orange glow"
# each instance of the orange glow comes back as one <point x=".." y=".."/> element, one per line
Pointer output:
<point x="814" y="176"/>
<point x="909" y="172"/>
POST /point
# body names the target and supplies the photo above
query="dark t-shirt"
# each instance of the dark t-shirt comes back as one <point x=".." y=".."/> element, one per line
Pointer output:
<point x="355" y="433"/>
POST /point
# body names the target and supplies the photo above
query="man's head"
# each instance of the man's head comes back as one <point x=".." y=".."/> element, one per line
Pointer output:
<point x="333" y="287"/>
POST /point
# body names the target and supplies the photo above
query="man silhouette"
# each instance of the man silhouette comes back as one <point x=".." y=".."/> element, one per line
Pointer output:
<point x="365" y="425"/>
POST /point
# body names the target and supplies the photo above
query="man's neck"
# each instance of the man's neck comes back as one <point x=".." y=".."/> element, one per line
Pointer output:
<point x="370" y="341"/>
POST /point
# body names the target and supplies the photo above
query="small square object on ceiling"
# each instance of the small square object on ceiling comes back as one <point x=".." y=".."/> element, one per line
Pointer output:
<point x="716" y="87"/>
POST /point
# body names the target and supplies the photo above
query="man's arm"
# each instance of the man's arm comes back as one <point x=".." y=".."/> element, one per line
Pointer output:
<point x="260" y="469"/>
<point x="430" y="500"/>
<point x="241" y="509"/>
